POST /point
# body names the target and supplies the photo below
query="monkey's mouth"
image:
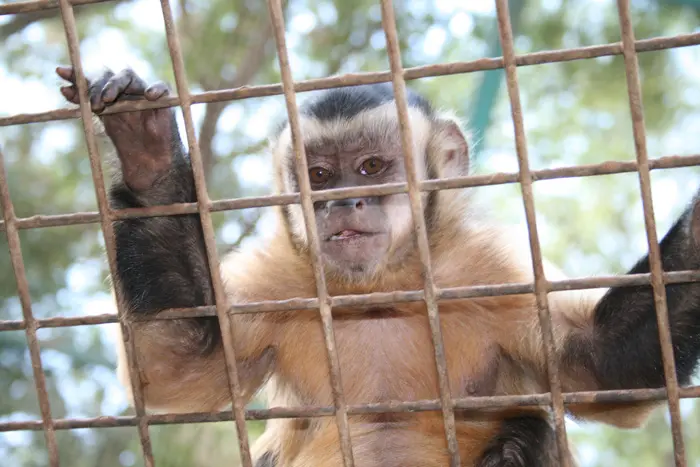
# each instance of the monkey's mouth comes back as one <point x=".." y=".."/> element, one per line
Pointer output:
<point x="348" y="234"/>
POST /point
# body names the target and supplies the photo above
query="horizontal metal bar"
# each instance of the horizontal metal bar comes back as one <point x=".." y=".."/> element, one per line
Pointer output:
<point x="467" y="404"/>
<point x="376" y="298"/>
<point x="500" y="178"/>
<point x="355" y="79"/>
<point x="30" y="7"/>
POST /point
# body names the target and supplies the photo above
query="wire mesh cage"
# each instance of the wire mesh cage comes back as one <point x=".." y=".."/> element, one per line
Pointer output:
<point x="430" y="294"/>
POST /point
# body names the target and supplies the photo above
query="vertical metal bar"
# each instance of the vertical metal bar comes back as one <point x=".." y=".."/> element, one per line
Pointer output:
<point x="483" y="106"/>
<point x="30" y="322"/>
<point x="541" y="284"/>
<point x="70" y="28"/>
<point x="204" y="208"/>
<point x="277" y="18"/>
<point x="399" y="84"/>
<point x="657" y="282"/>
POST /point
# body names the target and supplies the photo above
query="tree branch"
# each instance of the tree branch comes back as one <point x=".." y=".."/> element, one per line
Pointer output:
<point x="251" y="63"/>
<point x="184" y="18"/>
<point x="19" y="22"/>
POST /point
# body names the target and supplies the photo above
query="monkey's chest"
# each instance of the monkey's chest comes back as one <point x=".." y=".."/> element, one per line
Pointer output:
<point x="388" y="357"/>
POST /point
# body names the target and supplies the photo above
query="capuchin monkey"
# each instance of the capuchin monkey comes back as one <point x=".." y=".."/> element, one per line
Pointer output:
<point x="493" y="345"/>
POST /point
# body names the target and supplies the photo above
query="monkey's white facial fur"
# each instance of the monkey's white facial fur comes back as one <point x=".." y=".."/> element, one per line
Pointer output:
<point x="359" y="236"/>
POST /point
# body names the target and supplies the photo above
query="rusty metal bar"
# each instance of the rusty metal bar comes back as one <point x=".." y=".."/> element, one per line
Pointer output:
<point x="420" y="231"/>
<point x="375" y="298"/>
<point x="307" y="205"/>
<point x="60" y="322"/>
<point x="640" y="145"/>
<point x="475" y="404"/>
<point x="203" y="204"/>
<point x="71" y="31"/>
<point x="13" y="241"/>
<point x="500" y="178"/>
<point x="354" y="79"/>
<point x="541" y="286"/>
<point x="30" y="7"/>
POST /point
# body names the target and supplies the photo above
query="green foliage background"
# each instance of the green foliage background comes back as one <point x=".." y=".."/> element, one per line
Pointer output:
<point x="575" y="113"/>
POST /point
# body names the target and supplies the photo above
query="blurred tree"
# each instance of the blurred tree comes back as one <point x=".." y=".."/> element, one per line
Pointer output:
<point x="576" y="113"/>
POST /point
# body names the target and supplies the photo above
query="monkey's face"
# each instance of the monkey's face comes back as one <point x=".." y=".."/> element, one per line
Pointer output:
<point x="358" y="234"/>
<point x="361" y="236"/>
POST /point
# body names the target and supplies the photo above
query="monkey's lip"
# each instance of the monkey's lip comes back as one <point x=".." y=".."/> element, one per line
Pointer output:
<point x="348" y="234"/>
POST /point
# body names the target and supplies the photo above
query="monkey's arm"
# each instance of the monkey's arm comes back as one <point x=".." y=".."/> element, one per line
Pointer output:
<point x="625" y="322"/>
<point x="622" y="351"/>
<point x="161" y="262"/>
<point x="613" y="343"/>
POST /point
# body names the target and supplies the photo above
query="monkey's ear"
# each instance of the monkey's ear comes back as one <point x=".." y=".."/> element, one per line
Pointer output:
<point x="449" y="149"/>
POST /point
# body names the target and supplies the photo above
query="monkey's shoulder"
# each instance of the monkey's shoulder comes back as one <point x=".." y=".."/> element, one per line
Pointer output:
<point x="275" y="272"/>
<point x="482" y="254"/>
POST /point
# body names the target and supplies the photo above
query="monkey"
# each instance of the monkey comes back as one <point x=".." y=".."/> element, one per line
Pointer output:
<point x="604" y="339"/>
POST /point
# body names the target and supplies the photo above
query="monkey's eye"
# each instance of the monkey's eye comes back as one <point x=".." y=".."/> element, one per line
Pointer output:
<point x="372" y="166"/>
<point x="319" y="175"/>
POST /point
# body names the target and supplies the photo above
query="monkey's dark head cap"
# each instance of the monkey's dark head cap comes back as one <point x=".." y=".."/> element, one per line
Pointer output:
<point x="348" y="102"/>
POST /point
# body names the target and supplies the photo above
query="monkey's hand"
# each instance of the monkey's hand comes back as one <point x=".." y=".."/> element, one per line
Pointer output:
<point x="145" y="140"/>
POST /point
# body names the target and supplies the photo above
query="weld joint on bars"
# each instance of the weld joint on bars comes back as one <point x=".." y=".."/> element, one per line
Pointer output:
<point x="355" y="79"/>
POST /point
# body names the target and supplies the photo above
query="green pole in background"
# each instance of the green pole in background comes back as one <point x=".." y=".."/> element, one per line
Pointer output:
<point x="482" y="107"/>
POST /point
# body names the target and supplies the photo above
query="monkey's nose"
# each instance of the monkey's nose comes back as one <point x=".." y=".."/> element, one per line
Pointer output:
<point x="357" y="203"/>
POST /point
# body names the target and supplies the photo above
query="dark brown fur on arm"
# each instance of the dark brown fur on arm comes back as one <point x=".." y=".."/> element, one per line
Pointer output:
<point x="161" y="262"/>
<point x="611" y="341"/>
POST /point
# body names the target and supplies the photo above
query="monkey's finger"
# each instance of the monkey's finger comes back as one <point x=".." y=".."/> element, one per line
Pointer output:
<point x="66" y="72"/>
<point x="157" y="90"/>
<point x="126" y="83"/>
<point x="70" y="93"/>
<point x="95" y="91"/>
